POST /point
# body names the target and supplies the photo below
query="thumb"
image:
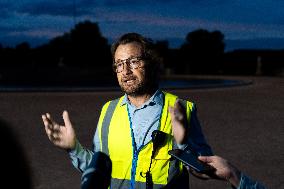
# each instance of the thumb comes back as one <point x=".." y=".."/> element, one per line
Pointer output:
<point x="66" y="119"/>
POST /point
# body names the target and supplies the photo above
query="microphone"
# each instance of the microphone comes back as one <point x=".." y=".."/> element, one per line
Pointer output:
<point x="98" y="173"/>
<point x="158" y="139"/>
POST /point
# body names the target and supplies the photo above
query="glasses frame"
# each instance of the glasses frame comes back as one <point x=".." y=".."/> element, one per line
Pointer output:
<point x="129" y="64"/>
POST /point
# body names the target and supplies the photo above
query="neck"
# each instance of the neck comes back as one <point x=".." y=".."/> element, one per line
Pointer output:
<point x="138" y="100"/>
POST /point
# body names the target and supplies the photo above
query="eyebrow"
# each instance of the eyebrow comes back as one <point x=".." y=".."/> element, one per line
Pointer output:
<point x="129" y="58"/>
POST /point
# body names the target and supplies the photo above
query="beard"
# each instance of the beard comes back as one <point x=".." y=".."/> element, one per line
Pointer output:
<point x="136" y="86"/>
<point x="133" y="86"/>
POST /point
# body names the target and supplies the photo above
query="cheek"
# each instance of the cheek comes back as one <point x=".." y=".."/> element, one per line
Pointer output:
<point x="118" y="78"/>
<point x="140" y="75"/>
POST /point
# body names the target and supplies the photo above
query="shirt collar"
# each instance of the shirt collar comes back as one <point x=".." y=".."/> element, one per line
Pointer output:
<point x="157" y="98"/>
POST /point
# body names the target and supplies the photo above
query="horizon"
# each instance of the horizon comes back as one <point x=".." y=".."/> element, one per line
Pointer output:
<point x="175" y="43"/>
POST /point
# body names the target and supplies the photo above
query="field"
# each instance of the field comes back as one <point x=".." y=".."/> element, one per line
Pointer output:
<point x="243" y="124"/>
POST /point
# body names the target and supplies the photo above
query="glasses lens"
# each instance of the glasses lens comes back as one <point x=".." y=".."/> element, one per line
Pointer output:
<point x="119" y="67"/>
<point x="132" y="63"/>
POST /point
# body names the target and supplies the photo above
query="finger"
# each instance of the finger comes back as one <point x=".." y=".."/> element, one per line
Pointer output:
<point x="66" y="119"/>
<point x="178" y="105"/>
<point x="47" y="124"/>
<point x="205" y="159"/>
<point x="49" y="134"/>
<point x="45" y="120"/>
<point x="47" y="130"/>
<point x="43" y="117"/>
<point x="50" y="119"/>
<point x="179" y="111"/>
<point x="175" y="114"/>
<point x="198" y="175"/>
<point x="52" y="124"/>
<point x="171" y="110"/>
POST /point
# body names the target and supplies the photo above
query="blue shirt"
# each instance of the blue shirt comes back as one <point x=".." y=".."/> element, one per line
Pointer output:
<point x="247" y="183"/>
<point x="145" y="119"/>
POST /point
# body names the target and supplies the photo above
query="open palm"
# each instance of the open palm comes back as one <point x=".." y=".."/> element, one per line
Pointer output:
<point x="62" y="136"/>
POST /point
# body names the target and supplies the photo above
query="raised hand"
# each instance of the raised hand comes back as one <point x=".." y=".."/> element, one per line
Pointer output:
<point x="62" y="136"/>
<point x="179" y="122"/>
<point x="224" y="169"/>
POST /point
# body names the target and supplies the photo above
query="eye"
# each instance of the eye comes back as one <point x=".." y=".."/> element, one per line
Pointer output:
<point x="134" y="61"/>
<point x="119" y="65"/>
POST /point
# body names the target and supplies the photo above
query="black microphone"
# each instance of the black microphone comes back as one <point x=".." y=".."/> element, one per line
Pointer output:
<point x="98" y="173"/>
<point x="158" y="139"/>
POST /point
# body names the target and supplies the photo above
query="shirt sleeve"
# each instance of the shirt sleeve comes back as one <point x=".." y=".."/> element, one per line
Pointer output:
<point x="96" y="142"/>
<point x="196" y="139"/>
<point x="247" y="183"/>
<point x="82" y="157"/>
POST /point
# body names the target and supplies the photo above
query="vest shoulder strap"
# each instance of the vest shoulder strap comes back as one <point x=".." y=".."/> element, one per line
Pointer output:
<point x="105" y="124"/>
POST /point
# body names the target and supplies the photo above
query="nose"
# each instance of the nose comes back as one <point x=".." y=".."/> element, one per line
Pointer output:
<point x="126" y="69"/>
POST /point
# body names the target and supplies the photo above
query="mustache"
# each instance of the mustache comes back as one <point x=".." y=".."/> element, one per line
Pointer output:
<point x="126" y="78"/>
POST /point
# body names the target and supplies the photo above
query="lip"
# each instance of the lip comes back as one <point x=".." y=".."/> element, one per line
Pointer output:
<point x="129" y="82"/>
<point x="126" y="80"/>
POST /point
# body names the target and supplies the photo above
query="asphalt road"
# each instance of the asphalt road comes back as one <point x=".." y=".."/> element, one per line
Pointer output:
<point x="243" y="124"/>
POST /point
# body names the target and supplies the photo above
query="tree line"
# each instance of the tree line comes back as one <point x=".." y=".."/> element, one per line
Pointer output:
<point x="83" y="54"/>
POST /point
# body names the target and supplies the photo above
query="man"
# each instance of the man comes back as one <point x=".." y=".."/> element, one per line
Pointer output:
<point x="226" y="171"/>
<point x="125" y="127"/>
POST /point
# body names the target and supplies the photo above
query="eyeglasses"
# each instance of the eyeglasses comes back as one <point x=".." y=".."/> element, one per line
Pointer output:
<point x="132" y="63"/>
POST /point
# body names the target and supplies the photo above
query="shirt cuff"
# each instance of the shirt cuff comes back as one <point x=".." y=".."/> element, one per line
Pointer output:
<point x="247" y="182"/>
<point x="181" y="146"/>
<point x="78" y="148"/>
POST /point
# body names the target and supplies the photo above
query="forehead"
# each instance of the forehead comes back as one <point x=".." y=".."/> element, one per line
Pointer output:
<point x="125" y="51"/>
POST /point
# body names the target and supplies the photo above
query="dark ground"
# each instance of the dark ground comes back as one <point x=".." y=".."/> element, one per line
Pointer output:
<point x="243" y="124"/>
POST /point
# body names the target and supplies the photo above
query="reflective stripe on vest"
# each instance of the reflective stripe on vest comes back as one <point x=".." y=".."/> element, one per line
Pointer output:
<point x="116" y="183"/>
<point x="105" y="124"/>
<point x="166" y="170"/>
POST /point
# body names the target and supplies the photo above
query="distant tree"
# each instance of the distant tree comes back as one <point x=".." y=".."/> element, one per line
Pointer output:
<point x="24" y="46"/>
<point x="83" y="46"/>
<point x="83" y="53"/>
<point x="22" y="56"/>
<point x="88" y="46"/>
<point x="1" y="58"/>
<point x="163" y="49"/>
<point x="203" y="51"/>
<point x="1" y="52"/>
<point x="58" y="49"/>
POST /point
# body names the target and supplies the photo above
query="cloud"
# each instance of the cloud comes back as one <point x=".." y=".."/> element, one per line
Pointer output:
<point x="8" y="29"/>
<point x="132" y="3"/>
<point x="169" y="26"/>
<point x="124" y="2"/>
<point x="36" y="33"/>
<point x="57" y="8"/>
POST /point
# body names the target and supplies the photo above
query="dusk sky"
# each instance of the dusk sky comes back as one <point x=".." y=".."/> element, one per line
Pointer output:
<point x="37" y="21"/>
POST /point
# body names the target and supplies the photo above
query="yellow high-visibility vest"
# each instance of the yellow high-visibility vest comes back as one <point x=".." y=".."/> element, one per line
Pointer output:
<point x="116" y="141"/>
